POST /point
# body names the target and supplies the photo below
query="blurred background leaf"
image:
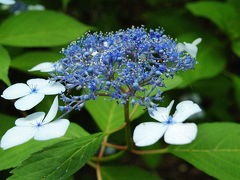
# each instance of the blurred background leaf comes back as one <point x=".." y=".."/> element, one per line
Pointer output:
<point x="5" y="62"/>
<point x="40" y="29"/>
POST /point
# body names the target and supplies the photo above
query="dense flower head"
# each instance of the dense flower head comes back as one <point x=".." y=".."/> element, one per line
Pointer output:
<point x="127" y="65"/>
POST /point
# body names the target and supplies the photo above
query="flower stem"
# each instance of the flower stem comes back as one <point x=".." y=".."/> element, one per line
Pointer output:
<point x="139" y="152"/>
<point x="98" y="171"/>
<point x="128" y="134"/>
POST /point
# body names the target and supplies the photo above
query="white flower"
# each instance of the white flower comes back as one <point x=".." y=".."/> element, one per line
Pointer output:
<point x="32" y="93"/>
<point x="37" y="7"/>
<point x="190" y="48"/>
<point x="7" y="2"/>
<point x="174" y="131"/>
<point x="47" y="67"/>
<point x="35" y="126"/>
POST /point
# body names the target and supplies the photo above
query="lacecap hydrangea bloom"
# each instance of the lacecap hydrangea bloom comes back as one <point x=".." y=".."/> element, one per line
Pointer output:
<point x="127" y="65"/>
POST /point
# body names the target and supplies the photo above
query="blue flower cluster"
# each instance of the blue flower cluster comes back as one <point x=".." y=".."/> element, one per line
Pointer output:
<point x="120" y="65"/>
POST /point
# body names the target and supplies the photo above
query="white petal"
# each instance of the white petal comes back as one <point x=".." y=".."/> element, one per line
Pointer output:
<point x="148" y="133"/>
<point x="52" y="130"/>
<point x="30" y="120"/>
<point x="52" y="88"/>
<point x="180" y="47"/>
<point x="197" y="41"/>
<point x="184" y="110"/>
<point x="43" y="67"/>
<point x="37" y="7"/>
<point x="52" y="112"/>
<point x="16" y="91"/>
<point x="16" y="136"/>
<point x="29" y="101"/>
<point x="191" y="49"/>
<point x="180" y="133"/>
<point x="7" y="2"/>
<point x="161" y="113"/>
<point x="37" y="83"/>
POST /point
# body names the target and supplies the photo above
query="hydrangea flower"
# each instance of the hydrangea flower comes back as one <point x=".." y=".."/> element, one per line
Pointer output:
<point x="128" y="66"/>
<point x="32" y="93"/>
<point x="47" y="67"/>
<point x="7" y="2"/>
<point x="172" y="127"/>
<point x="190" y="48"/>
<point x="37" y="126"/>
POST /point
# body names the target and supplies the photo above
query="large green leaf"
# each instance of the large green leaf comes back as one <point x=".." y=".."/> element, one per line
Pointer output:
<point x="60" y="160"/>
<point x="26" y="61"/>
<point x="6" y="122"/>
<point x="40" y="29"/>
<point x="126" y="173"/>
<point x="5" y="62"/>
<point x="211" y="60"/>
<point x="107" y="114"/>
<point x="216" y="150"/>
<point x="14" y="156"/>
<point x="221" y="13"/>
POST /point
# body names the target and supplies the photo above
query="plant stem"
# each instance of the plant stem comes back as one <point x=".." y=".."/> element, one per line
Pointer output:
<point x="98" y="171"/>
<point x="102" y="149"/>
<point x="109" y="158"/>
<point x="128" y="134"/>
<point x="155" y="151"/>
<point x="116" y="146"/>
<point x="92" y="164"/>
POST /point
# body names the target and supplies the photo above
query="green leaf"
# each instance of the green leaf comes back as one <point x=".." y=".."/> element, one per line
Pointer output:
<point x="211" y="60"/>
<point x="236" y="81"/>
<point x="171" y="83"/>
<point x="222" y="14"/>
<point x="6" y="122"/>
<point x="14" y="156"/>
<point x="107" y="114"/>
<point x="216" y="150"/>
<point x="26" y="61"/>
<point x="60" y="160"/>
<point x="126" y="173"/>
<point x="5" y="62"/>
<point x="40" y="29"/>
<point x="236" y="47"/>
<point x="65" y="3"/>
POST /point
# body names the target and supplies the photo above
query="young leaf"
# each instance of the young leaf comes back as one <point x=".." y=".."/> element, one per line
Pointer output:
<point x="14" y="156"/>
<point x="126" y="173"/>
<point x="60" y="160"/>
<point x="40" y="29"/>
<point x="26" y="61"/>
<point x="5" y="62"/>
<point x="216" y="150"/>
<point x="107" y="114"/>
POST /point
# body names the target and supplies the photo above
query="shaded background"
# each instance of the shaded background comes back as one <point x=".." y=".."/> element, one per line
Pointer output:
<point x="215" y="84"/>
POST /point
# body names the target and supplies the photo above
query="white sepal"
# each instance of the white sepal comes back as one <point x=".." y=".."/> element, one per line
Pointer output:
<point x="7" y="2"/>
<point x="148" y="133"/>
<point x="17" y="135"/>
<point x="161" y="113"/>
<point x="52" y="130"/>
<point x="184" y="110"/>
<point x="180" y="133"/>
<point x="52" y="112"/>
